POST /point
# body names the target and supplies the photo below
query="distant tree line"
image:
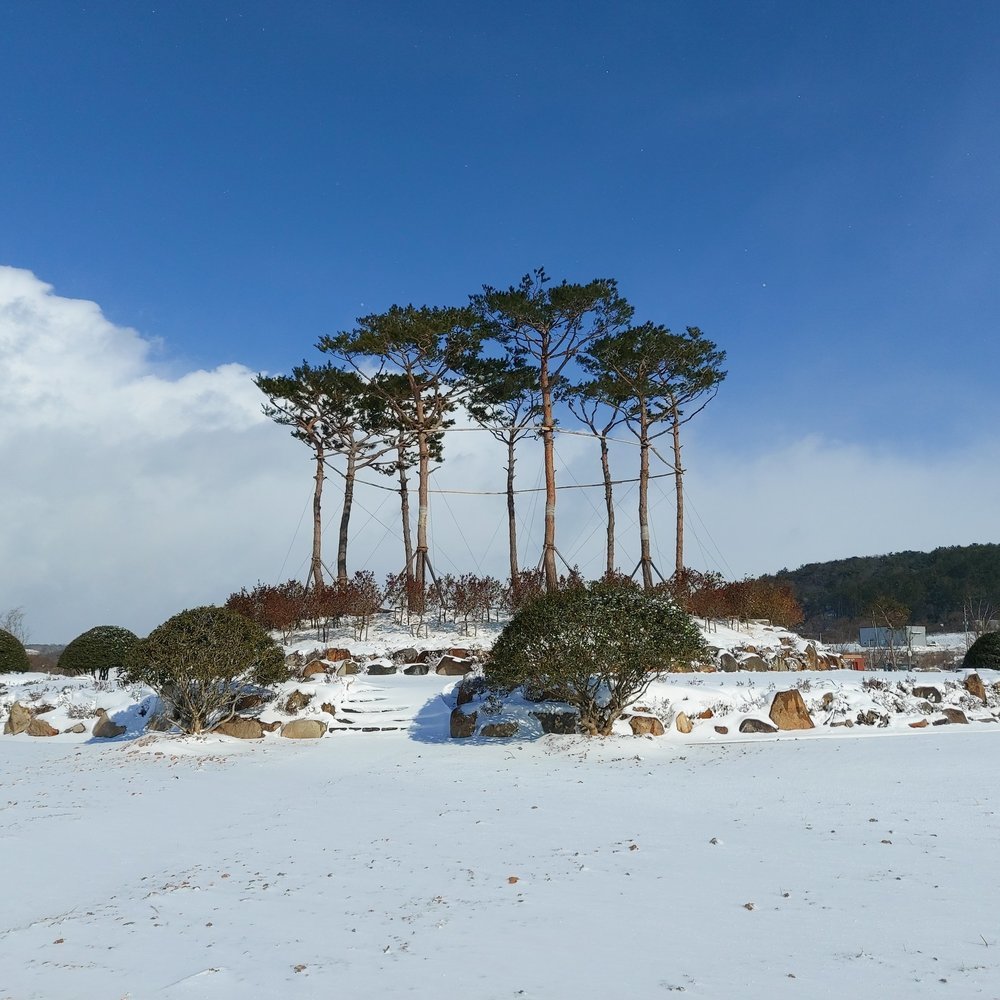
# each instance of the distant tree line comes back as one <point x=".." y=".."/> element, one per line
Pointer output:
<point x="957" y="587"/>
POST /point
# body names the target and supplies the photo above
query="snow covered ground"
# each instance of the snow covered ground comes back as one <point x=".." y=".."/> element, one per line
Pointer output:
<point x="400" y="863"/>
<point x="400" y="867"/>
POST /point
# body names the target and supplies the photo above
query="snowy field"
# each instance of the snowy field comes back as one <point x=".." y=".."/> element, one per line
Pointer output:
<point x="404" y="865"/>
<point x="386" y="859"/>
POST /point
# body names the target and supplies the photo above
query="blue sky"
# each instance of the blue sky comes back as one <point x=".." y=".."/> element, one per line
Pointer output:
<point x="814" y="185"/>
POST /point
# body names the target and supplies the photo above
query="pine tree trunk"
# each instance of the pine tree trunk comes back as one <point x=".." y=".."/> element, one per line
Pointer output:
<point x="609" y="503"/>
<point x="511" y="519"/>
<point x="345" y="519"/>
<point x="548" y="434"/>
<point x="679" y="487"/>
<point x="423" y="475"/>
<point x="645" y="556"/>
<point x="316" y="564"/>
<point x="404" y="509"/>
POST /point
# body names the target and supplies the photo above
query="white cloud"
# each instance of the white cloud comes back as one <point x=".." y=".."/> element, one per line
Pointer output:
<point x="128" y="495"/>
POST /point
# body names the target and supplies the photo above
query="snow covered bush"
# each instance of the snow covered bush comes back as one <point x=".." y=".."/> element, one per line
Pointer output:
<point x="13" y="658"/>
<point x="200" y="661"/>
<point x="984" y="652"/>
<point x="595" y="648"/>
<point x="97" y="650"/>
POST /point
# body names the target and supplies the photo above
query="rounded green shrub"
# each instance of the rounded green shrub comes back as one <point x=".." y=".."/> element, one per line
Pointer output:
<point x="596" y="649"/>
<point x="13" y="658"/>
<point x="984" y="652"/>
<point x="199" y="663"/>
<point x="97" y="651"/>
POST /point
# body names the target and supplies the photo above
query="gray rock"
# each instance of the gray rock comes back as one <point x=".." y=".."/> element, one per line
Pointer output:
<point x="756" y="726"/>
<point x="729" y="663"/>
<point x="416" y="669"/>
<point x="381" y="669"/>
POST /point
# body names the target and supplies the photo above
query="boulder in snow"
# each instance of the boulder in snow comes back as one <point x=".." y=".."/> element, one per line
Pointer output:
<point x="242" y="729"/>
<point x="451" y="666"/>
<point x="975" y="686"/>
<point x="646" y="725"/>
<point x="18" y="720"/>
<point x="788" y="711"/>
<point x="39" y="727"/>
<point x="756" y="726"/>
<point x="303" y="729"/>
<point x="463" y="724"/>
<point x="683" y="723"/>
<point x="104" y="728"/>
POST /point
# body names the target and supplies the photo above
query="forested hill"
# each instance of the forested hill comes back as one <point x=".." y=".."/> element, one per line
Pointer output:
<point x="936" y="586"/>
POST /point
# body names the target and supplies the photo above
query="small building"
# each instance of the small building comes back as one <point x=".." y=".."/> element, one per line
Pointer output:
<point x="853" y="661"/>
<point x="899" y="638"/>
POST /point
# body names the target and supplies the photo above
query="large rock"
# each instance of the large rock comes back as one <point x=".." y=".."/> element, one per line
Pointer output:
<point x="312" y="668"/>
<point x="459" y="654"/>
<point x="242" y="729"/>
<point x="468" y="690"/>
<point x="788" y="711"/>
<point x="297" y="701"/>
<point x="955" y="716"/>
<point x="753" y="662"/>
<point x="376" y="669"/>
<point x="562" y="722"/>
<point x="932" y="694"/>
<point x="338" y="655"/>
<point x="646" y="725"/>
<point x="499" y="730"/>
<point x="18" y="720"/>
<point x="683" y="723"/>
<point x="451" y="666"/>
<point x="756" y="726"/>
<point x="104" y="728"/>
<point x="39" y="727"/>
<point x="975" y="686"/>
<point x="408" y="655"/>
<point x="346" y="667"/>
<point x="729" y="663"/>
<point x="812" y="657"/>
<point x="463" y="724"/>
<point x="416" y="669"/>
<point x="303" y="729"/>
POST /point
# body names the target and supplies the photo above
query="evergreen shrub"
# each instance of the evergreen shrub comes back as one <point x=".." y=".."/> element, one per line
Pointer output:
<point x="596" y="648"/>
<point x="199" y="663"/>
<point x="984" y="653"/>
<point x="97" y="651"/>
<point x="13" y="658"/>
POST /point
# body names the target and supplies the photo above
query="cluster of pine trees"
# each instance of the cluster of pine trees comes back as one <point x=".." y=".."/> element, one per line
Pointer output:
<point x="510" y="358"/>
